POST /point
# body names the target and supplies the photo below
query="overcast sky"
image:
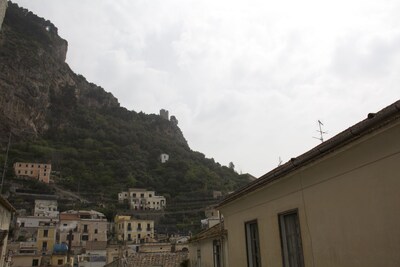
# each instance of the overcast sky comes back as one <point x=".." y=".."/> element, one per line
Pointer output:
<point x="247" y="80"/>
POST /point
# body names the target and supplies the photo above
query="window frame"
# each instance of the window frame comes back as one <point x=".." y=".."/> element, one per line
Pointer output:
<point x="217" y="253"/>
<point x="283" y="237"/>
<point x="249" y="250"/>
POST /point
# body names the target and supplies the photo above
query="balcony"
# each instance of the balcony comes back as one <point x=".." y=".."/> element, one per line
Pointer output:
<point x="148" y="229"/>
<point x="139" y="229"/>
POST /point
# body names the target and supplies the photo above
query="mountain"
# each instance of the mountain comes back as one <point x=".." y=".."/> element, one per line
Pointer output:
<point x="97" y="148"/>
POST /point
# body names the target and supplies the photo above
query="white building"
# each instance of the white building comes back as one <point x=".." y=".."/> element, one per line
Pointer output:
<point x="164" y="158"/>
<point x="33" y="221"/>
<point x="46" y="208"/>
<point x="141" y="199"/>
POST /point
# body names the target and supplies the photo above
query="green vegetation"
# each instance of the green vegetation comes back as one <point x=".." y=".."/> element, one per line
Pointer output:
<point x="100" y="152"/>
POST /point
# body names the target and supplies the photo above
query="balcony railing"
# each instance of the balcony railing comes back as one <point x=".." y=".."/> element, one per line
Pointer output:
<point x="139" y="229"/>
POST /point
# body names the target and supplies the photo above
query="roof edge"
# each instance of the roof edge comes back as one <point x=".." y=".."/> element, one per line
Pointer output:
<point x="7" y="204"/>
<point x="373" y="122"/>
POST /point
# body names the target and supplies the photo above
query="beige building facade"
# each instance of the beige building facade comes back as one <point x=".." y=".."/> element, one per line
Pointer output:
<point x="82" y="226"/>
<point x="141" y="199"/>
<point x="208" y="248"/>
<point x="6" y="211"/>
<point x="39" y="171"/>
<point x="335" y="206"/>
<point x="133" y="230"/>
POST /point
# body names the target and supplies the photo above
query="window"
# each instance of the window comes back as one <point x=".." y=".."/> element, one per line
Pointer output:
<point x="252" y="244"/>
<point x="149" y="195"/>
<point x="19" y="172"/>
<point x="60" y="262"/>
<point x="44" y="245"/>
<point x="198" y="258"/>
<point x="35" y="262"/>
<point x="292" y="251"/>
<point x="85" y="228"/>
<point x="85" y="237"/>
<point x="45" y="233"/>
<point x="141" y="195"/>
<point x="70" y="236"/>
<point x="96" y="231"/>
<point x="217" y="253"/>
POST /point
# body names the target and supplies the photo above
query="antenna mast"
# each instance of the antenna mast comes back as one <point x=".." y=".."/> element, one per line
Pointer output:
<point x="321" y="133"/>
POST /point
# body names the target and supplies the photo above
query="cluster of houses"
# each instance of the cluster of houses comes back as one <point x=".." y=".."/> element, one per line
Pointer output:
<point x="335" y="205"/>
<point x="75" y="237"/>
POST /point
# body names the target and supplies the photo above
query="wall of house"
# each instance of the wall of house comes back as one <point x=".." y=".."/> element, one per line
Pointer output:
<point x="25" y="260"/>
<point x="80" y="236"/>
<point x="39" y="171"/>
<point x="347" y="205"/>
<point x="204" y="249"/>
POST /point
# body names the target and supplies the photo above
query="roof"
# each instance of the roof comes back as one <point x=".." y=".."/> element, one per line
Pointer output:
<point x="4" y="202"/>
<point x="215" y="231"/>
<point x="374" y="121"/>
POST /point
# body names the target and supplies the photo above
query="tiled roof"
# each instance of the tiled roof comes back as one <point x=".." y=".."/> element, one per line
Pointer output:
<point x="212" y="232"/>
<point x="373" y="122"/>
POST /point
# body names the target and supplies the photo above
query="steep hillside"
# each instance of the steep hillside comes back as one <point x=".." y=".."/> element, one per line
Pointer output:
<point x="96" y="147"/>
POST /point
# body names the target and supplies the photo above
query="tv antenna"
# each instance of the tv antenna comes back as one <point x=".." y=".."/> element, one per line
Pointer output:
<point x="321" y="132"/>
<point x="280" y="162"/>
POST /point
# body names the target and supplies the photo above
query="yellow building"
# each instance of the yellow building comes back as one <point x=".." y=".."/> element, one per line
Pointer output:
<point x="133" y="230"/>
<point x="39" y="171"/>
<point x="46" y="237"/>
<point x="61" y="259"/>
<point x="336" y="205"/>
<point x="25" y="254"/>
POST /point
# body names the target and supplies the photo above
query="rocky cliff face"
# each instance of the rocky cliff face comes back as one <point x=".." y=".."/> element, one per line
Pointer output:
<point x="33" y="72"/>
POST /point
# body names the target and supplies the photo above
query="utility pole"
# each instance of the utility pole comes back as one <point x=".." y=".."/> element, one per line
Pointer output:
<point x="5" y="164"/>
